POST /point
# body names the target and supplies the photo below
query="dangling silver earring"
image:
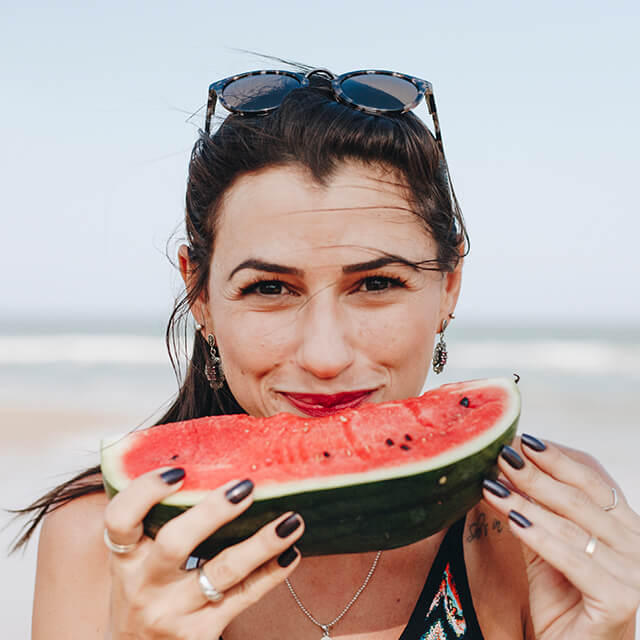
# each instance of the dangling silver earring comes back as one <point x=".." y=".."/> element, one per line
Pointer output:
<point x="440" y="352"/>
<point x="213" y="370"/>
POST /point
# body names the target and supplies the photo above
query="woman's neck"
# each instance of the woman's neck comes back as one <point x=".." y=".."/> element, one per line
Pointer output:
<point x="326" y="584"/>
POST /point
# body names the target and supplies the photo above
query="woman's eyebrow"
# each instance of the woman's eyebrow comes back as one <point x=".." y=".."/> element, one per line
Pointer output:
<point x="273" y="267"/>
<point x="377" y="263"/>
<point x="261" y="265"/>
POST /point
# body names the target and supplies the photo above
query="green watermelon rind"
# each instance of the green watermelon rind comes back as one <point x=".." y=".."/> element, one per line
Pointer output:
<point x="366" y="516"/>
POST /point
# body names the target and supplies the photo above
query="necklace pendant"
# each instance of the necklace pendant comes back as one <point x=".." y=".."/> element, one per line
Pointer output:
<point x="325" y="632"/>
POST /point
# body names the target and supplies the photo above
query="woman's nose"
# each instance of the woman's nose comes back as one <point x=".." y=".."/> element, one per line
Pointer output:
<point x="324" y="349"/>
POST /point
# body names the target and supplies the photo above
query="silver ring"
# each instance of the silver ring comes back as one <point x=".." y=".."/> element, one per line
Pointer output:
<point x="591" y="546"/>
<point x="208" y="590"/>
<point x="614" y="504"/>
<point x="118" y="548"/>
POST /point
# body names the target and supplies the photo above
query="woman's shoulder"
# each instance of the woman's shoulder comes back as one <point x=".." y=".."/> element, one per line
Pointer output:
<point x="77" y="523"/>
<point x="488" y="541"/>
<point x="72" y="575"/>
<point x="71" y="538"/>
<point x="496" y="573"/>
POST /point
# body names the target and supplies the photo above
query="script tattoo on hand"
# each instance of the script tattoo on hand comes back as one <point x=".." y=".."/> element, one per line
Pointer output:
<point x="480" y="527"/>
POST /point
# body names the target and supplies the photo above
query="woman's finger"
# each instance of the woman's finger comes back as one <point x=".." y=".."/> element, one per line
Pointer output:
<point x="554" y="461"/>
<point x="177" y="538"/>
<point x="567" y="500"/>
<point x="237" y="563"/>
<point x="125" y="512"/>
<point x="613" y="601"/>
<point x="515" y="507"/>
<point x="230" y="567"/>
<point x="249" y="591"/>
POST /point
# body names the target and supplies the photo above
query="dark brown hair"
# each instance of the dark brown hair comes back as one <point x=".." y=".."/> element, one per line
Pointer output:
<point x="310" y="129"/>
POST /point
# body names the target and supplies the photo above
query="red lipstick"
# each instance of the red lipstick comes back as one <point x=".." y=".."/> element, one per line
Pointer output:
<point x="316" y="404"/>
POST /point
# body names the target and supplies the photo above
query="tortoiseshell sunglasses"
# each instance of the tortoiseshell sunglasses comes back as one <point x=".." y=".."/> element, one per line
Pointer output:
<point x="372" y="91"/>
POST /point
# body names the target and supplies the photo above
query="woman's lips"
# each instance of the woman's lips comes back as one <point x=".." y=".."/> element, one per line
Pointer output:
<point x="315" y="404"/>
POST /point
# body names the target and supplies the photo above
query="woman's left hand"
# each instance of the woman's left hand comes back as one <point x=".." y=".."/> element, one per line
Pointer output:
<point x="582" y="555"/>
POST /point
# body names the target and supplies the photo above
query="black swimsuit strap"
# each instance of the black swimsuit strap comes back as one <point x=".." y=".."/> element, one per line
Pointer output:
<point x="450" y="552"/>
<point x="461" y="578"/>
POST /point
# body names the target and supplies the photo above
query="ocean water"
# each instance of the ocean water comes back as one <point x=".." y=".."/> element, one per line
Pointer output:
<point x="62" y="390"/>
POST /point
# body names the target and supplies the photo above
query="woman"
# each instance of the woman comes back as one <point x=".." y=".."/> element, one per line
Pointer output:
<point x="324" y="256"/>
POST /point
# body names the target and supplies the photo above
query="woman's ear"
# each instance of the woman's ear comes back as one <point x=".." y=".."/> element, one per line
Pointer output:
<point x="185" y="264"/>
<point x="451" y="284"/>
<point x="199" y="308"/>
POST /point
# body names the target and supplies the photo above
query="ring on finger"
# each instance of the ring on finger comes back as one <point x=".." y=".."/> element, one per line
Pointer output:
<point x="591" y="546"/>
<point x="208" y="590"/>
<point x="614" y="503"/>
<point x="119" y="548"/>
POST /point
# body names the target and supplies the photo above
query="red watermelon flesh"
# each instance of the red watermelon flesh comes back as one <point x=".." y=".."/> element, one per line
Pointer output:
<point x="286" y="453"/>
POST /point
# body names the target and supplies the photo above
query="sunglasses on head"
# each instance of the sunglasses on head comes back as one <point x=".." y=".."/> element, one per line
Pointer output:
<point x="372" y="91"/>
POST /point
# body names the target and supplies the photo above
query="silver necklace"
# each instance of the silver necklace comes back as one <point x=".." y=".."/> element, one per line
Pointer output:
<point x="325" y="627"/>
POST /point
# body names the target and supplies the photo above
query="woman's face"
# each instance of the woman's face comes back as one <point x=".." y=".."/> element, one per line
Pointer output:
<point x="310" y="312"/>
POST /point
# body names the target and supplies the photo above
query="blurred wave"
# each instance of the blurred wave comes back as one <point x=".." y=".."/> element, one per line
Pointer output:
<point x="597" y="357"/>
<point x="82" y="349"/>
<point x="562" y="356"/>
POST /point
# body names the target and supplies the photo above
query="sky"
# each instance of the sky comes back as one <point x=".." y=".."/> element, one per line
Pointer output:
<point x="538" y="105"/>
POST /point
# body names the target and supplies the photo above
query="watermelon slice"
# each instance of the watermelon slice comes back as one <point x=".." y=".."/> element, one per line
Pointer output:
<point x="376" y="477"/>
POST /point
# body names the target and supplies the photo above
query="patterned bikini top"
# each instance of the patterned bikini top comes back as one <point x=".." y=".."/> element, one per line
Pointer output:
<point x="445" y="610"/>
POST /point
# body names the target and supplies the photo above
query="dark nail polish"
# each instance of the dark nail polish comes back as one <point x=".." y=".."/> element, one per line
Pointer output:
<point x="519" y="519"/>
<point x="512" y="457"/>
<point x="288" y="526"/>
<point x="533" y="443"/>
<point x="287" y="557"/>
<point x="239" y="491"/>
<point x="172" y="475"/>
<point x="495" y="487"/>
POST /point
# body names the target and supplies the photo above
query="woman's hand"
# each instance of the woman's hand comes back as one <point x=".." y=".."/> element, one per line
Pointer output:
<point x="580" y="587"/>
<point x="153" y="597"/>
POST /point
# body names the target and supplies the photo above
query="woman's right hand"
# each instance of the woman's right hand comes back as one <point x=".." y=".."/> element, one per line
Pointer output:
<point x="153" y="597"/>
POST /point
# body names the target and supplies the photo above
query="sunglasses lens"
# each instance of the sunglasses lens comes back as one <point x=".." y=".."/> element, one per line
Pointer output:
<point x="380" y="91"/>
<point x="259" y="92"/>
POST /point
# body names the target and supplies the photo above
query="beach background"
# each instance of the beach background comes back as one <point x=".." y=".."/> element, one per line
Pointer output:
<point x="61" y="391"/>
<point x="101" y="106"/>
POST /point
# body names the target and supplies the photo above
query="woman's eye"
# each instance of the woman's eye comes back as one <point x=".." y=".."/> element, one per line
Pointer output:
<point x="380" y="283"/>
<point x="271" y="288"/>
<point x="266" y="288"/>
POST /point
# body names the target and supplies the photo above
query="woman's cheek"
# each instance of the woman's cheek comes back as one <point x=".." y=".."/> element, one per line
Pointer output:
<point x="251" y="345"/>
<point x="398" y="331"/>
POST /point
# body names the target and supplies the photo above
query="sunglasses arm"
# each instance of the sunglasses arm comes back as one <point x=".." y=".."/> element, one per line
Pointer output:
<point x="211" y="107"/>
<point x="431" y="104"/>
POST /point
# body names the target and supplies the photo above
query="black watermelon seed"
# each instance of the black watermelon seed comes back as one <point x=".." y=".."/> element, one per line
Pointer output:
<point x="464" y="402"/>
<point x="389" y="442"/>
<point x="326" y="454"/>
<point x="175" y="457"/>
<point x="517" y="377"/>
<point x="407" y="437"/>
<point x="405" y="447"/>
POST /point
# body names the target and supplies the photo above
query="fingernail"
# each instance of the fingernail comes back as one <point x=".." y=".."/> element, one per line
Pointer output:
<point x="288" y="526"/>
<point x="287" y="557"/>
<point x="512" y="457"/>
<point x="239" y="491"/>
<point x="533" y="443"/>
<point x="519" y="519"/>
<point x="172" y="475"/>
<point x="495" y="487"/>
